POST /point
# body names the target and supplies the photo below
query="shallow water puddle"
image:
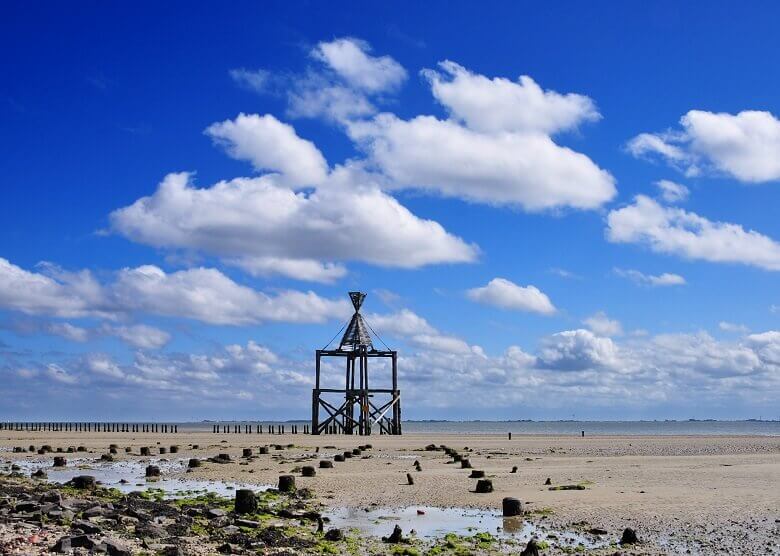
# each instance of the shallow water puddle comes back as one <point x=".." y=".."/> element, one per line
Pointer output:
<point x="111" y="474"/>
<point x="437" y="522"/>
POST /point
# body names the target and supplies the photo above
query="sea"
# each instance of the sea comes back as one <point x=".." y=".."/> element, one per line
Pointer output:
<point x="591" y="428"/>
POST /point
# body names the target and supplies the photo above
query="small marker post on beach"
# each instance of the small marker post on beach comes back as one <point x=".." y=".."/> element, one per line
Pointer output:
<point x="583" y="434"/>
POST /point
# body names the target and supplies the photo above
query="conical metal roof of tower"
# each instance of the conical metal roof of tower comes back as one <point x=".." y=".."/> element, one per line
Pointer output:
<point x="356" y="335"/>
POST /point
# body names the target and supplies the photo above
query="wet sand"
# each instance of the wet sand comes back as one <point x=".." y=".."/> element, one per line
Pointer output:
<point x="703" y="494"/>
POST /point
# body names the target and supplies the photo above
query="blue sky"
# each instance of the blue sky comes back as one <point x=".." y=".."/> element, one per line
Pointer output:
<point x="598" y="238"/>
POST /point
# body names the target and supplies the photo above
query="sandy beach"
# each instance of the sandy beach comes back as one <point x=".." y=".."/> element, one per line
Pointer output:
<point x="705" y="495"/>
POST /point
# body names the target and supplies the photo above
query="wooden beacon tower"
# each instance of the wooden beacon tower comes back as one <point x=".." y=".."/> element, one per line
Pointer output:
<point x="357" y="408"/>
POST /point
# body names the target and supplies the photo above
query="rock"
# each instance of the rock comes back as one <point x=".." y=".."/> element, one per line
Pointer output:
<point x="567" y="487"/>
<point x="531" y="549"/>
<point x="246" y="452"/>
<point x="26" y="507"/>
<point x="308" y="471"/>
<point x="456" y="457"/>
<point x="113" y="548"/>
<point x="106" y="457"/>
<point x="247" y="523"/>
<point x="228" y="548"/>
<point x="86" y="527"/>
<point x="347" y="455"/>
<point x="112" y="451"/>
<point x="597" y="531"/>
<point x="67" y="544"/>
<point x="326" y="464"/>
<point x="286" y="483"/>
<point x="174" y="449"/>
<point x="431" y="448"/>
<point x="213" y="513"/>
<point x="465" y="463"/>
<point x="145" y="450"/>
<point x="194" y="462"/>
<point x="484" y="486"/>
<point x="128" y="449"/>
<point x="356" y="452"/>
<point x="263" y="450"/>
<point x="60" y="461"/>
<point x="477" y="474"/>
<point x="338" y="457"/>
<point x="511" y="507"/>
<point x="173" y="550"/>
<point x="334" y="535"/>
<point x="548" y="481"/>
<point x="51" y="497"/>
<point x="368" y="447"/>
<point x="40" y="474"/>
<point x="151" y="530"/>
<point x="409" y="479"/>
<point x="246" y="502"/>
<point x="395" y="537"/>
<point x="629" y="536"/>
<point x="94" y="511"/>
<point x="163" y="450"/>
<point x="81" y="449"/>
<point x="152" y="471"/>
<point x="82" y="481"/>
<point x="514" y="469"/>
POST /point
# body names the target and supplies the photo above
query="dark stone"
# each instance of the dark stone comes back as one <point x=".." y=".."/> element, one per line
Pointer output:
<point x="514" y="469"/>
<point x="83" y="481"/>
<point x="409" y="478"/>
<point x="395" y="537"/>
<point x="145" y="450"/>
<point x="548" y="481"/>
<point x="246" y="452"/>
<point x="431" y="448"/>
<point x="477" y="474"/>
<point x="86" y="527"/>
<point x="174" y="449"/>
<point x="67" y="544"/>
<point x="484" y="486"/>
<point x="531" y="549"/>
<point x="81" y="449"/>
<point x="465" y="463"/>
<point x="308" y="471"/>
<point x="356" y="452"/>
<point x="40" y="474"/>
<point x="597" y="531"/>
<point x="213" y="513"/>
<point x="347" y="455"/>
<point x="629" y="536"/>
<point x="263" y="450"/>
<point x="26" y="507"/>
<point x="163" y="450"/>
<point x="246" y="502"/>
<point x="106" y="457"/>
<point x="511" y="507"/>
<point x="368" y="447"/>
<point x="113" y="548"/>
<point x="112" y="451"/>
<point x="152" y="471"/>
<point x="456" y="457"/>
<point x="338" y="457"/>
<point x="128" y="450"/>
<point x="247" y="523"/>
<point x="334" y="535"/>
<point x="286" y="483"/>
<point x="94" y="511"/>
<point x="194" y="462"/>
<point x="151" y="530"/>
<point x="326" y="464"/>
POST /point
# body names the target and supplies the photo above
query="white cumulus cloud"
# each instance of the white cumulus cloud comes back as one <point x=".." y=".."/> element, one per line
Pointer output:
<point x="505" y="294"/>
<point x="744" y="146"/>
<point x="665" y="279"/>
<point x="599" y="323"/>
<point x="678" y="232"/>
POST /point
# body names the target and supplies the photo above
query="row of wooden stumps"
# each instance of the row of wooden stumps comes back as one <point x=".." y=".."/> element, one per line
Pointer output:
<point x="257" y="429"/>
<point x="89" y="427"/>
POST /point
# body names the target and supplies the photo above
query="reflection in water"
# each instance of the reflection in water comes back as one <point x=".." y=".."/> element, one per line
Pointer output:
<point x="431" y="522"/>
<point x="130" y="476"/>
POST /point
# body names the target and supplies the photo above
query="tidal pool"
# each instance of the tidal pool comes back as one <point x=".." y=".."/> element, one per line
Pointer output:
<point x="130" y="476"/>
<point x="436" y="522"/>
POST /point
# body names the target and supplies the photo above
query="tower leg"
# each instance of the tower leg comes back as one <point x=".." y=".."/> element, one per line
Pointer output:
<point x="315" y="411"/>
